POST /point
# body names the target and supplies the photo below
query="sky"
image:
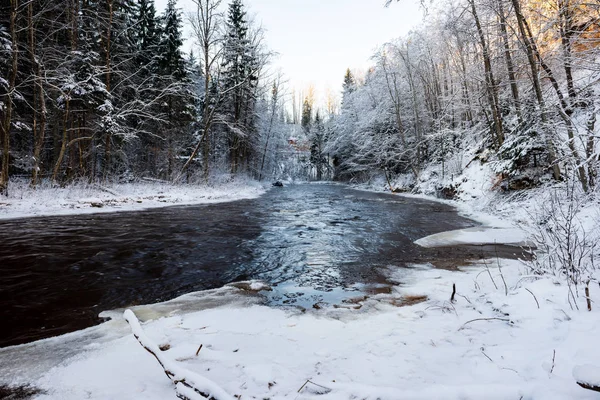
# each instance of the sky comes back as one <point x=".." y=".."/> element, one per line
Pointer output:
<point x="317" y="40"/>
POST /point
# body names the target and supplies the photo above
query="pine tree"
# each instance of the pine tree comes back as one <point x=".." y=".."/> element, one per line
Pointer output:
<point x="175" y="88"/>
<point x="239" y="82"/>
<point x="171" y="59"/>
<point x="349" y="82"/>
<point x="317" y="145"/>
<point x="147" y="35"/>
<point x="306" y="120"/>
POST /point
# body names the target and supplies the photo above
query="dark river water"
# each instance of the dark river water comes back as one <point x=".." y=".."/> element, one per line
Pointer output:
<point x="313" y="242"/>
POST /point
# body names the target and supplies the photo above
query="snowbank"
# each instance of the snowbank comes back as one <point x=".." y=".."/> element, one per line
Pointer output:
<point x="477" y="236"/>
<point x="24" y="201"/>
<point x="495" y="342"/>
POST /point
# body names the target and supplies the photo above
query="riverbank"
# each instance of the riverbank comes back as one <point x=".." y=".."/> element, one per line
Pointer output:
<point x="506" y="334"/>
<point x="82" y="198"/>
<point x="503" y="337"/>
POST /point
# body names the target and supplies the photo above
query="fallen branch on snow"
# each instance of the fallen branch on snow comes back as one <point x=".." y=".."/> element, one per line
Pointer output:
<point x="188" y="385"/>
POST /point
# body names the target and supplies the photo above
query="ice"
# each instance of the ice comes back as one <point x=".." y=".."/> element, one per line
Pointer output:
<point x="477" y="236"/>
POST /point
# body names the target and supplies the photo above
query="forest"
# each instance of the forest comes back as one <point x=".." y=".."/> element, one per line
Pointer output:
<point x="103" y="90"/>
<point x="513" y="82"/>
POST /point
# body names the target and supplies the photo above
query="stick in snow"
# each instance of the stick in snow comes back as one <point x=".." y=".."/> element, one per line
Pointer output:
<point x="535" y="298"/>
<point x="189" y="385"/>
<point x="327" y="390"/>
<point x="484" y="319"/>
<point x="587" y="296"/>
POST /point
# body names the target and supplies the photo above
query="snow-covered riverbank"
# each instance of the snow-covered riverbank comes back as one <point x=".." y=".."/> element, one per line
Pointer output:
<point x="23" y="201"/>
<point x="508" y="334"/>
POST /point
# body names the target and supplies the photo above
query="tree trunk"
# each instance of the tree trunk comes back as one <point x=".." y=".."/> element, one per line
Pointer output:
<point x="564" y="110"/>
<point x="491" y="86"/>
<point x="63" y="146"/>
<point x="7" y="120"/>
<point x="592" y="158"/>
<point x="566" y="31"/>
<point x="528" y="42"/>
<point x="510" y="66"/>
<point x="108" y="76"/>
<point x="39" y="98"/>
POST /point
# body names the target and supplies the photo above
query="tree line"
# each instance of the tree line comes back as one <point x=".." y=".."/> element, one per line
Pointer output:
<point x="514" y="78"/>
<point x="102" y="89"/>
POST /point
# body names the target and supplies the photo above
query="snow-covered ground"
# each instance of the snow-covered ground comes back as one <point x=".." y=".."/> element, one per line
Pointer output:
<point x="508" y="334"/>
<point x="23" y="201"/>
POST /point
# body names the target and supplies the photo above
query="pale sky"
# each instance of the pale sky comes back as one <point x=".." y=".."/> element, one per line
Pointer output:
<point x="318" y="39"/>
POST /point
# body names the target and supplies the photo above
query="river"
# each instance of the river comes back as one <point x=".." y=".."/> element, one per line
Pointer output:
<point x="312" y="242"/>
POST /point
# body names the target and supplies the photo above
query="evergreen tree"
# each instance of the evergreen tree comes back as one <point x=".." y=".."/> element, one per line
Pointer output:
<point x="175" y="89"/>
<point x="239" y="82"/>
<point x="171" y="58"/>
<point x="349" y="82"/>
<point x="317" y="145"/>
<point x="147" y="35"/>
<point x="306" y="120"/>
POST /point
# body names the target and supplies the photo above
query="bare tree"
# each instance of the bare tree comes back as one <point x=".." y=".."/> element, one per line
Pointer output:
<point x="205" y="23"/>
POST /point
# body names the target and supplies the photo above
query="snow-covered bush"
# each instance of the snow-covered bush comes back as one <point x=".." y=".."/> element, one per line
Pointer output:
<point x="566" y="236"/>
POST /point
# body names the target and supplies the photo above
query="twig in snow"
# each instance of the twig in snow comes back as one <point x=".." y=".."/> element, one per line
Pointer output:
<point x="464" y="297"/>
<point x="302" y="387"/>
<point x="500" y="269"/>
<point x="587" y="296"/>
<point x="536" y="300"/>
<point x="484" y="319"/>
<point x="486" y="356"/>
<point x="535" y="277"/>
<point x="312" y="383"/>
<point x="566" y="315"/>
<point x="452" y="300"/>
<point x="490" y="274"/>
<point x="198" y="351"/>
<point x="553" y="358"/>
<point x="510" y="369"/>
<point x="572" y="295"/>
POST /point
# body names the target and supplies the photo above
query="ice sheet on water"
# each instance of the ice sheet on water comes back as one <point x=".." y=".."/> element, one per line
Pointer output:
<point x="476" y="236"/>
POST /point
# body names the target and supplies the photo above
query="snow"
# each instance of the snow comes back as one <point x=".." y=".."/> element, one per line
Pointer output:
<point x="431" y="350"/>
<point x="477" y="236"/>
<point x="587" y="374"/>
<point x="23" y="201"/>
